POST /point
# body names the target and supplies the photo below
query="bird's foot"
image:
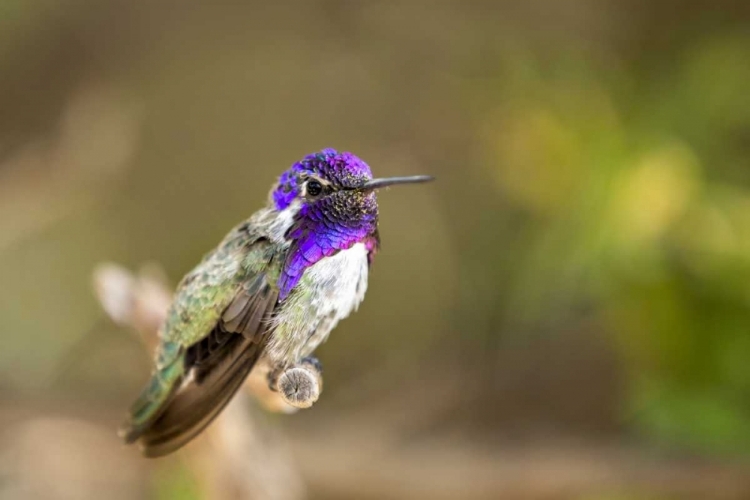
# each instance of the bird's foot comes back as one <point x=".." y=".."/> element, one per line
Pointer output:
<point x="313" y="363"/>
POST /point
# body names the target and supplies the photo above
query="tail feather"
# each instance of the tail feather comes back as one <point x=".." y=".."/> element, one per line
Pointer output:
<point x="195" y="405"/>
<point x="153" y="400"/>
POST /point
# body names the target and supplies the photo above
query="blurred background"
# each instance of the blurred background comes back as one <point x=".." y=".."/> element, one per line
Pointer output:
<point x="565" y="314"/>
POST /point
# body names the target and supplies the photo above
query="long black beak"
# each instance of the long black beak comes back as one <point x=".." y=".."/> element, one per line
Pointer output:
<point x="391" y="181"/>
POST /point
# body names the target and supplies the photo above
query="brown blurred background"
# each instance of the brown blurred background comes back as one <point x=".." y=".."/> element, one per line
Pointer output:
<point x="564" y="314"/>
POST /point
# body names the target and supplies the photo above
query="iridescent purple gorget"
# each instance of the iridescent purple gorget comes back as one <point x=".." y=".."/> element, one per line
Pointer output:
<point x="326" y="225"/>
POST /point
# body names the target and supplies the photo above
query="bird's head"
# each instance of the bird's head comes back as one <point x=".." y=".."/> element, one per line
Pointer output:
<point x="331" y="195"/>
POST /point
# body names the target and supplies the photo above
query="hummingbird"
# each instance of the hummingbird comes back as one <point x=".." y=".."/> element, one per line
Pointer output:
<point x="271" y="291"/>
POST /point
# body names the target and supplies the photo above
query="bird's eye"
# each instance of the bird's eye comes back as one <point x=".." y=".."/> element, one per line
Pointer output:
<point x="314" y="188"/>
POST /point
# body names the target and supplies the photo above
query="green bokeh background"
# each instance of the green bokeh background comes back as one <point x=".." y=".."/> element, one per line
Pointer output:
<point x="581" y="267"/>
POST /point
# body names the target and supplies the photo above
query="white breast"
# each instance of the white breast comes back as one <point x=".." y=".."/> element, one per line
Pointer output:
<point x="341" y="280"/>
<point x="328" y="292"/>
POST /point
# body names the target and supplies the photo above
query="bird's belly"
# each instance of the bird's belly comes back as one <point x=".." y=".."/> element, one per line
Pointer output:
<point x="328" y="292"/>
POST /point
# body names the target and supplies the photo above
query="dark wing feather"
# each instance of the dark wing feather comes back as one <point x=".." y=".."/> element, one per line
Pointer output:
<point x="248" y="309"/>
<point x="220" y="363"/>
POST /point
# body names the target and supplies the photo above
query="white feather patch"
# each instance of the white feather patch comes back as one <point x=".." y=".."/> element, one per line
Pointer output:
<point x="328" y="292"/>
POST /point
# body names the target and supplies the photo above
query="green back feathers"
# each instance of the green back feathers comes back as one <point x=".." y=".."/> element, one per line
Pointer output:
<point x="215" y="331"/>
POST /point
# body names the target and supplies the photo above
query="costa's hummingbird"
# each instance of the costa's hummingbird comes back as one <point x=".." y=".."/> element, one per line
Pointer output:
<point x="273" y="289"/>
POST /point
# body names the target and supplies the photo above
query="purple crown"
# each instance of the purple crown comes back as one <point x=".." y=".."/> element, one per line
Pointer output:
<point x="341" y="168"/>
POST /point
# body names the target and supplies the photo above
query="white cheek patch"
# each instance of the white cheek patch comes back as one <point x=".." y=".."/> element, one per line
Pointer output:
<point x="283" y="221"/>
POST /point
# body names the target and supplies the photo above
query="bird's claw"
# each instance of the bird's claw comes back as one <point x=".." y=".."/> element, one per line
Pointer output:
<point x="313" y="363"/>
